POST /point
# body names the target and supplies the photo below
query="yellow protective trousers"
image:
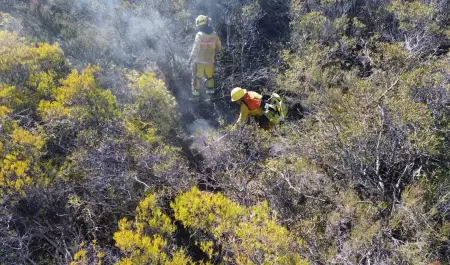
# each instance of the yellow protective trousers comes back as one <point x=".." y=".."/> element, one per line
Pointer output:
<point x="201" y="71"/>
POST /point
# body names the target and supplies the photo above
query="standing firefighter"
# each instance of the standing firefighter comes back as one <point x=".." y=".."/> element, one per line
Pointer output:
<point x="206" y="45"/>
<point x="267" y="110"/>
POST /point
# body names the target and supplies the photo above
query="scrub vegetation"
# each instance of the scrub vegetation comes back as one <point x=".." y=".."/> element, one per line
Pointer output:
<point x="100" y="162"/>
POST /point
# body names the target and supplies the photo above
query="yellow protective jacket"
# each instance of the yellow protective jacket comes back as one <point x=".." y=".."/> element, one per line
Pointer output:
<point x="205" y="47"/>
<point x="245" y="111"/>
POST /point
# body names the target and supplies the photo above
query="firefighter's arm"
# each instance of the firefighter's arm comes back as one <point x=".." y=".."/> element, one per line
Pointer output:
<point x="196" y="47"/>
<point x="218" y="44"/>
<point x="244" y="114"/>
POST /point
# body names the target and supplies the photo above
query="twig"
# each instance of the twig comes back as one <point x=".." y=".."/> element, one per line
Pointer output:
<point x="208" y="146"/>
<point x="441" y="200"/>
<point x="388" y="89"/>
<point x="294" y="188"/>
<point x="143" y="183"/>
<point x="30" y="261"/>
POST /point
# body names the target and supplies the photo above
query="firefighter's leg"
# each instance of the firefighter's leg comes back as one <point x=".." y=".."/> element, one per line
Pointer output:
<point x="197" y="75"/>
<point x="264" y="123"/>
<point x="209" y="72"/>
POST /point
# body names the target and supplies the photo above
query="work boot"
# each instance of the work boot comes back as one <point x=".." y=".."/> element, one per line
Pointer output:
<point x="210" y="92"/>
<point x="195" y="94"/>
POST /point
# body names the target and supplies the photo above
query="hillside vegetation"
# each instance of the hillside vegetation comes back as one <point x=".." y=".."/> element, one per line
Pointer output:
<point x="98" y="164"/>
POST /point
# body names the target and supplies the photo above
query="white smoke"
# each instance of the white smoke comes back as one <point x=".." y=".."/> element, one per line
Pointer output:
<point x="131" y="35"/>
<point x="150" y="36"/>
<point x="199" y="126"/>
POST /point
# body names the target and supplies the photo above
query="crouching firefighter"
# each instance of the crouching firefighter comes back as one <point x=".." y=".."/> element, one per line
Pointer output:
<point x="206" y="45"/>
<point x="268" y="110"/>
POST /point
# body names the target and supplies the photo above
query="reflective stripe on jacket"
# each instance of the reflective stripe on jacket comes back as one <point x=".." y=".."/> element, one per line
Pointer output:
<point x="205" y="47"/>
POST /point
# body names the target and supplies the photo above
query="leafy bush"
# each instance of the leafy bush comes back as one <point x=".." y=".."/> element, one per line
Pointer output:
<point x="28" y="72"/>
<point x="245" y="235"/>
<point x="20" y="156"/>
<point x="154" y="106"/>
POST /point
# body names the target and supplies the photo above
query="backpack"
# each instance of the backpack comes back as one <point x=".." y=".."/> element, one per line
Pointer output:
<point x="274" y="108"/>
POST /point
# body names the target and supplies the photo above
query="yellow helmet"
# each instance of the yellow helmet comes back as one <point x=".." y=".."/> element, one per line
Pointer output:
<point x="201" y="20"/>
<point x="237" y="93"/>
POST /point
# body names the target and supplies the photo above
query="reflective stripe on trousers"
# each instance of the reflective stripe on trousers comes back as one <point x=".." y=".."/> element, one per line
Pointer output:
<point x="200" y="71"/>
<point x="202" y="62"/>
